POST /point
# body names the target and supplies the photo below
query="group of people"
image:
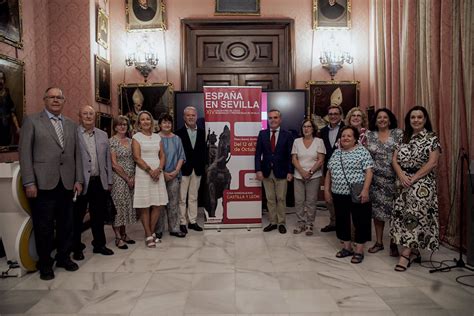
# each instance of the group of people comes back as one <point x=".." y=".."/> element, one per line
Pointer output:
<point x="372" y="170"/>
<point x="68" y="168"/>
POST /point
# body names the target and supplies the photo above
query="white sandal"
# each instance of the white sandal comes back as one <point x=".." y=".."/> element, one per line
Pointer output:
<point x="150" y="242"/>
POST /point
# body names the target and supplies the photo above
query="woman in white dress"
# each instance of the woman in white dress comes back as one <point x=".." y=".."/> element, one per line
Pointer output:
<point x="308" y="158"/>
<point x="150" y="189"/>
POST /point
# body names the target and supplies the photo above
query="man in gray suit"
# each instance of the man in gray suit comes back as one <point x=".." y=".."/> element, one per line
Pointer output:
<point x="97" y="172"/>
<point x="51" y="171"/>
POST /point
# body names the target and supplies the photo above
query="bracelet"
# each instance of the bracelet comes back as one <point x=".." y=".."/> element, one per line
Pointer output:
<point x="147" y="169"/>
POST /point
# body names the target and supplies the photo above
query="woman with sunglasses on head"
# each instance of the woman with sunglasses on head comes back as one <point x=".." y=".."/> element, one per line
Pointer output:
<point x="150" y="189"/>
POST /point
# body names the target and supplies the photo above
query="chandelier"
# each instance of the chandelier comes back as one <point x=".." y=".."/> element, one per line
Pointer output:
<point x="333" y="56"/>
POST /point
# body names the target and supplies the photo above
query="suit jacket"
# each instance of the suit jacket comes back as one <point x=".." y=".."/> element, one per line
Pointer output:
<point x="278" y="161"/>
<point x="42" y="159"/>
<point x="329" y="149"/>
<point x="195" y="158"/>
<point x="103" y="158"/>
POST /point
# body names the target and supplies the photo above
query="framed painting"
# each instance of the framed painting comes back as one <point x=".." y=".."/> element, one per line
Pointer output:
<point x="145" y="15"/>
<point x="102" y="34"/>
<point x="12" y="101"/>
<point x="156" y="98"/>
<point x="11" y="31"/>
<point x="104" y="122"/>
<point x="329" y="14"/>
<point x="237" y="7"/>
<point x="322" y="94"/>
<point x="102" y="80"/>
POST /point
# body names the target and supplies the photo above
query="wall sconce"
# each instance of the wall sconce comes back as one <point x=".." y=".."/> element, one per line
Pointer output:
<point x="143" y="62"/>
<point x="333" y="56"/>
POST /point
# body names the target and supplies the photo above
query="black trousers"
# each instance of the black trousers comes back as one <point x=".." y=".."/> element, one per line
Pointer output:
<point x="96" y="199"/>
<point x="361" y="218"/>
<point x="52" y="211"/>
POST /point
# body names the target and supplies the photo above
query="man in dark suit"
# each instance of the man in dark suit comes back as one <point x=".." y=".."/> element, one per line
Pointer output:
<point x="330" y="135"/>
<point x="194" y="144"/>
<point x="273" y="166"/>
<point x="97" y="173"/>
<point x="331" y="9"/>
<point x="51" y="172"/>
<point x="143" y="11"/>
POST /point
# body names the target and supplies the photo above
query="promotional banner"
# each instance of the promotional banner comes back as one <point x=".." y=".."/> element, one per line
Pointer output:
<point x="233" y="120"/>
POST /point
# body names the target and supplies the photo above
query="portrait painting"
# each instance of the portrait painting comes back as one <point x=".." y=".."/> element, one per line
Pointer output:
<point x="322" y="94"/>
<point x="157" y="98"/>
<point x="331" y="14"/>
<point x="12" y="99"/>
<point x="104" y="122"/>
<point x="102" y="35"/>
<point x="10" y="22"/>
<point x="237" y="7"/>
<point x="102" y="80"/>
<point x="145" y="15"/>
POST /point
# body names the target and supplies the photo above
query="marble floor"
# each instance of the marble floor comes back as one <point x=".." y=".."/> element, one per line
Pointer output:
<point x="239" y="272"/>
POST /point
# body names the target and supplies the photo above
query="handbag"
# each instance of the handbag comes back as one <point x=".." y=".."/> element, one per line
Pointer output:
<point x="355" y="188"/>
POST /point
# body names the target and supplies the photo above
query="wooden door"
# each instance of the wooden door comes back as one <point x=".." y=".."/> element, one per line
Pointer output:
<point x="237" y="52"/>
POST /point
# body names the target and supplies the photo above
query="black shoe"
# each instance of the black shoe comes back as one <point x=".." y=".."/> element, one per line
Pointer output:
<point x="46" y="274"/>
<point x="270" y="227"/>
<point x="178" y="234"/>
<point x="159" y="235"/>
<point x="78" y="255"/>
<point x="195" y="227"/>
<point x="282" y="229"/>
<point x="328" y="228"/>
<point x="183" y="229"/>
<point x="103" y="251"/>
<point x="67" y="264"/>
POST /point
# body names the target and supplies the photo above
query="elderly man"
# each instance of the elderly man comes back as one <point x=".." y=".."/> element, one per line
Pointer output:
<point x="51" y="171"/>
<point x="273" y="166"/>
<point x="97" y="173"/>
<point x="194" y="143"/>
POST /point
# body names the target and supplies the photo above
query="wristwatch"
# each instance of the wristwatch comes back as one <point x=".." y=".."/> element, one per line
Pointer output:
<point x="311" y="172"/>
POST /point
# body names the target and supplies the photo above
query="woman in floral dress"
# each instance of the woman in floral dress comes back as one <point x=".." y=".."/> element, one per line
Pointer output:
<point x="414" y="223"/>
<point x="123" y="181"/>
<point x="381" y="141"/>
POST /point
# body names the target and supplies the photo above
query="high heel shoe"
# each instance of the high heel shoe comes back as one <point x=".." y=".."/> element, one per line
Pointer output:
<point x="120" y="243"/>
<point x="127" y="239"/>
<point x="416" y="256"/>
<point x="399" y="267"/>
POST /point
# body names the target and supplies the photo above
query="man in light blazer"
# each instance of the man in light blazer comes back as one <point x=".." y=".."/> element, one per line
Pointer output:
<point x="97" y="171"/>
<point x="51" y="172"/>
<point x="273" y="166"/>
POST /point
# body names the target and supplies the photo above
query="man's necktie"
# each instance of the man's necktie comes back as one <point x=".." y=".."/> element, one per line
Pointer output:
<point x="59" y="129"/>
<point x="273" y="140"/>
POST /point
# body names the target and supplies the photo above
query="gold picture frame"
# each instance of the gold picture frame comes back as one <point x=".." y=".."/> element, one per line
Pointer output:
<point x="11" y="30"/>
<point x="102" y="80"/>
<point x="102" y="29"/>
<point x="157" y="98"/>
<point x="323" y="93"/>
<point x="12" y="87"/>
<point x="140" y="18"/>
<point x="332" y="14"/>
<point x="237" y="7"/>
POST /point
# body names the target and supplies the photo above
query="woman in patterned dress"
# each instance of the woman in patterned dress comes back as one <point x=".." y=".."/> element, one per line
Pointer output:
<point x="150" y="189"/>
<point x="123" y="181"/>
<point x="381" y="141"/>
<point x="350" y="164"/>
<point x="414" y="223"/>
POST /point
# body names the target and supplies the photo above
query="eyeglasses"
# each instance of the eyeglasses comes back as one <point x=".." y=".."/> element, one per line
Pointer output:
<point x="57" y="97"/>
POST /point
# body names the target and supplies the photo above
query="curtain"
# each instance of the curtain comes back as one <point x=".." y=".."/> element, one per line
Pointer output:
<point x="422" y="53"/>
